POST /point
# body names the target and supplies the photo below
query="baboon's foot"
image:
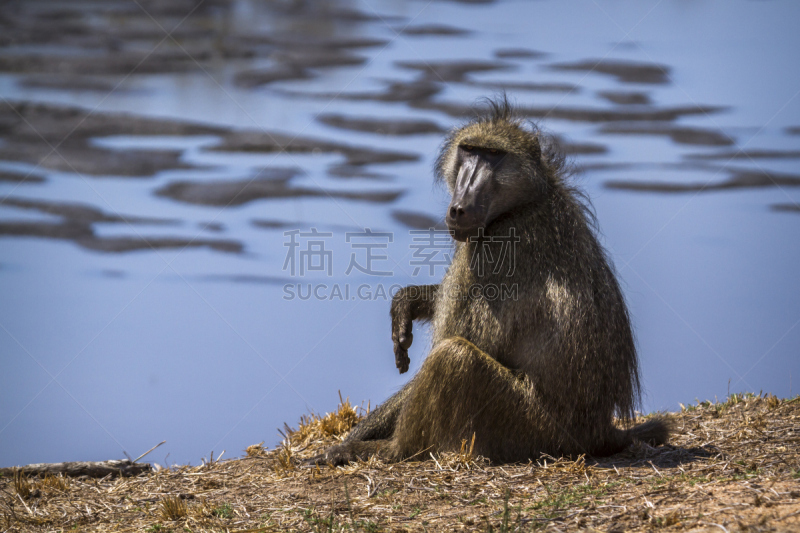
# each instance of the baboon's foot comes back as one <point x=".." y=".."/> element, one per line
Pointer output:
<point x="335" y="455"/>
<point x="349" y="452"/>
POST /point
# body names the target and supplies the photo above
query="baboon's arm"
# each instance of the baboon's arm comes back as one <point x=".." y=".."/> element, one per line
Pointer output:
<point x="415" y="302"/>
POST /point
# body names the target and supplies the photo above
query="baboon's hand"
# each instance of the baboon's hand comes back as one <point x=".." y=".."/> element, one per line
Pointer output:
<point x="401" y="358"/>
<point x="401" y="331"/>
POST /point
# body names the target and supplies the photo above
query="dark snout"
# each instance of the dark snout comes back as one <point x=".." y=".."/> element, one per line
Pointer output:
<point x="469" y="207"/>
<point x="464" y="219"/>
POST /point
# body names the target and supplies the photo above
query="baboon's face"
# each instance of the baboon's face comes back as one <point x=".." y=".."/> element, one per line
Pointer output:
<point x="486" y="182"/>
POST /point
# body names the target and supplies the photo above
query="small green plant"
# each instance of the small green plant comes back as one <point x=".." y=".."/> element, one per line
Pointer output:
<point x="155" y="528"/>
<point x="505" y="524"/>
<point x="329" y="524"/>
<point x="556" y="502"/>
<point x="223" y="511"/>
<point x="320" y="524"/>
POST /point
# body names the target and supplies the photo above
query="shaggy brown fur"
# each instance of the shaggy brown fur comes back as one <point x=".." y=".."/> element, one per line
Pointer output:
<point x="543" y="369"/>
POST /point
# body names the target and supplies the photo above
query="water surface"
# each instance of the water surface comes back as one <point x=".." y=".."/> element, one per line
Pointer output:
<point x="142" y="301"/>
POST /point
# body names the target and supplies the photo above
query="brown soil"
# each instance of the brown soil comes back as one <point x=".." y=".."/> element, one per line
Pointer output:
<point x="731" y="466"/>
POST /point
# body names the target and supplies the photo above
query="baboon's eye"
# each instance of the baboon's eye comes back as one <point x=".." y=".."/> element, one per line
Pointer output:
<point x="492" y="151"/>
<point x="467" y="147"/>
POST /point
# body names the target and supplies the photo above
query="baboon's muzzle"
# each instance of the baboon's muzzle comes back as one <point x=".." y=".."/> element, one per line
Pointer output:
<point x="469" y="207"/>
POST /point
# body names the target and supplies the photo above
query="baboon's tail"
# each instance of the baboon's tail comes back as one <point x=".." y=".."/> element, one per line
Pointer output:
<point x="653" y="432"/>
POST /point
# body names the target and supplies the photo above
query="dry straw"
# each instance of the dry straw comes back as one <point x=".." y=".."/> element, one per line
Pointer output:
<point x="732" y="466"/>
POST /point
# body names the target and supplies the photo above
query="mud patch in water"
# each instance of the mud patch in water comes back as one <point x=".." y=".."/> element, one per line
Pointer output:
<point x="585" y="148"/>
<point x="748" y="154"/>
<point x="576" y="114"/>
<point x="20" y="177"/>
<point x="744" y="179"/>
<point x="452" y="71"/>
<point x="625" y="98"/>
<point x="82" y="234"/>
<point x="257" y="77"/>
<point x="53" y="122"/>
<point x="270" y="224"/>
<point x="71" y="82"/>
<point x="433" y="29"/>
<point x="679" y="135"/>
<point x="316" y="58"/>
<point x="350" y="171"/>
<point x="415" y="220"/>
<point x="325" y="11"/>
<point x="214" y="227"/>
<point x="119" y="63"/>
<point x="382" y="126"/>
<point x="86" y="160"/>
<point x="255" y="141"/>
<point x="81" y="213"/>
<point x="395" y="91"/>
<point x="131" y="244"/>
<point x="786" y="208"/>
<point x="623" y="71"/>
<point x="518" y="53"/>
<point x="524" y="86"/>
<point x="57" y="138"/>
<point x="238" y="192"/>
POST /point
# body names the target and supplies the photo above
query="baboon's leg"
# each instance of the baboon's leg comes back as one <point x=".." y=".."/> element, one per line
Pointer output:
<point x="369" y="436"/>
<point x="380" y="422"/>
<point x="461" y="390"/>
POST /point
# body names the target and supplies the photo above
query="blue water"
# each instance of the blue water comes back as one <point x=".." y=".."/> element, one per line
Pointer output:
<point x="107" y="354"/>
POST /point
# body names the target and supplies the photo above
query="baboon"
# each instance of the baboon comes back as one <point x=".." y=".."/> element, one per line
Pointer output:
<point x="544" y="369"/>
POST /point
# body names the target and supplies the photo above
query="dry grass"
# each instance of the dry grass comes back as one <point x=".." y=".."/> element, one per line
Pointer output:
<point x="313" y="427"/>
<point x="173" y="508"/>
<point x="733" y="466"/>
